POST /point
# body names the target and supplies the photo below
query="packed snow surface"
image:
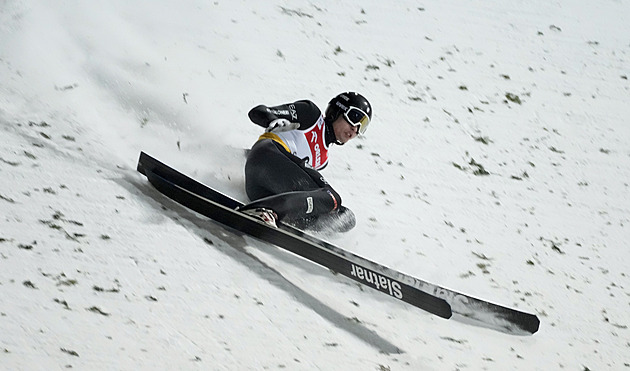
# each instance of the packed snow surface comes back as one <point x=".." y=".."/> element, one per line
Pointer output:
<point x="497" y="164"/>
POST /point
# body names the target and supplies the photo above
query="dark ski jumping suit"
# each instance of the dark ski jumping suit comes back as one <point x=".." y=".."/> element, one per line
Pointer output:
<point x="282" y="169"/>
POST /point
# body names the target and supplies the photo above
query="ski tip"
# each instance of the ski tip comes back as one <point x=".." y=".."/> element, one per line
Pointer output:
<point x="522" y="324"/>
<point x="532" y="325"/>
<point x="528" y="324"/>
<point x="440" y="307"/>
<point x="444" y="310"/>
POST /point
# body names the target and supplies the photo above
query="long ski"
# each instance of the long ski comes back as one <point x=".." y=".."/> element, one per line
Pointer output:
<point x="435" y="299"/>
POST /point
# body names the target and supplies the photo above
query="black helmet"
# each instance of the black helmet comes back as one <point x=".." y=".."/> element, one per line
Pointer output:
<point x="355" y="108"/>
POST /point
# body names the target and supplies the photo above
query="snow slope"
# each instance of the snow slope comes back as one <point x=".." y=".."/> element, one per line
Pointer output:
<point x="497" y="164"/>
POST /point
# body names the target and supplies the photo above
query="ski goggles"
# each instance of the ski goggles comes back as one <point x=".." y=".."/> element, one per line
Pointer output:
<point x="357" y="118"/>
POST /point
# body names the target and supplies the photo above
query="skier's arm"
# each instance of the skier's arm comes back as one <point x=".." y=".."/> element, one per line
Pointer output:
<point x="303" y="112"/>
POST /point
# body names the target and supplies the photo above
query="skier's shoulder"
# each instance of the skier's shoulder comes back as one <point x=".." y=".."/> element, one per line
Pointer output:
<point x="307" y="104"/>
<point x="307" y="110"/>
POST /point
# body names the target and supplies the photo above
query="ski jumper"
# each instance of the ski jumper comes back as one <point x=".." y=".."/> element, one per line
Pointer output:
<point x="282" y="169"/>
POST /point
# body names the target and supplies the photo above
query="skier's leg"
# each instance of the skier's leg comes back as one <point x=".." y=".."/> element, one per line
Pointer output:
<point x="300" y="196"/>
<point x="299" y="204"/>
<point x="270" y="170"/>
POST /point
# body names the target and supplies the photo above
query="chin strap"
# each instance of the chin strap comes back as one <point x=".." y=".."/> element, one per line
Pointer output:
<point x="330" y="132"/>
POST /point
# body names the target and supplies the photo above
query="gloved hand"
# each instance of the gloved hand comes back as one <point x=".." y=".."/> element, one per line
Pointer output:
<point x="280" y="125"/>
